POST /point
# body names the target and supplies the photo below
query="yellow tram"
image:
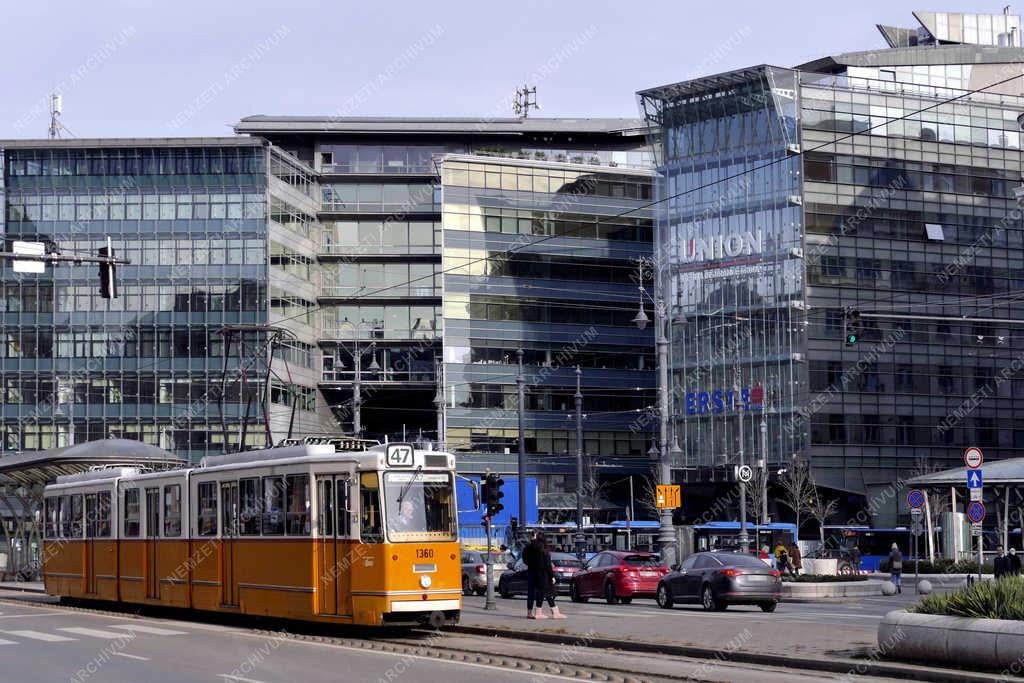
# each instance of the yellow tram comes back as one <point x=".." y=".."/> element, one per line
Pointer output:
<point x="307" y="531"/>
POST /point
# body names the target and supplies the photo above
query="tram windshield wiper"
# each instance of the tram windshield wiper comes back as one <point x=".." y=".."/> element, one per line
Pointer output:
<point x="412" y="480"/>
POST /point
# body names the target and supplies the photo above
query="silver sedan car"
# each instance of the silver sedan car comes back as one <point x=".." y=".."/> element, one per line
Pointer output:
<point x="716" y="580"/>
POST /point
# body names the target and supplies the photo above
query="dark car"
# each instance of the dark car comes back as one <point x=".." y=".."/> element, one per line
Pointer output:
<point x="617" y="576"/>
<point x="514" y="582"/>
<point x="719" y="579"/>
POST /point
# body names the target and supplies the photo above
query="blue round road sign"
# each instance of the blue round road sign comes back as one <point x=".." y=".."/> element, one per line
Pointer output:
<point x="976" y="511"/>
<point x="915" y="498"/>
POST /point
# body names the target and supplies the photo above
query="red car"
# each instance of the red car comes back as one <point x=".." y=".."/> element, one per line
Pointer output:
<point x="618" y="576"/>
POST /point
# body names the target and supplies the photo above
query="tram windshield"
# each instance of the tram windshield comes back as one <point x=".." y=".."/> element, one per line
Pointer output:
<point x="419" y="506"/>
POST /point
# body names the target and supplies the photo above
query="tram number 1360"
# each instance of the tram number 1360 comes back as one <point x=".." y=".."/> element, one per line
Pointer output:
<point x="424" y="553"/>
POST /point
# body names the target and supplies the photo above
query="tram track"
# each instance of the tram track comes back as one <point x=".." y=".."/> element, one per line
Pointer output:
<point x="549" y="656"/>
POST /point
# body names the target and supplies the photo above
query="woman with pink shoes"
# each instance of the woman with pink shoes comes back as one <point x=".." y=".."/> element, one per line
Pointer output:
<point x="541" y="579"/>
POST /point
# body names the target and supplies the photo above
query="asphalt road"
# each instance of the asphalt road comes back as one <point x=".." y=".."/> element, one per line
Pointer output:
<point x="834" y="628"/>
<point x="40" y="643"/>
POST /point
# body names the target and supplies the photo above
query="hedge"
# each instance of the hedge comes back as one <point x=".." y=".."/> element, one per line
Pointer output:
<point x="826" y="578"/>
<point x="938" y="567"/>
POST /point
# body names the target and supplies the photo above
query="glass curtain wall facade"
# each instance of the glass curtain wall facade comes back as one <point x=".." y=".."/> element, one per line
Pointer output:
<point x="148" y="365"/>
<point x="913" y="217"/>
<point x="543" y="257"/>
<point x="873" y="182"/>
<point x="728" y="254"/>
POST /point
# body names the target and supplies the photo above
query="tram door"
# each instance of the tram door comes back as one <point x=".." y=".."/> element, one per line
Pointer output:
<point x="228" y="543"/>
<point x="152" y="537"/>
<point x="333" y="531"/>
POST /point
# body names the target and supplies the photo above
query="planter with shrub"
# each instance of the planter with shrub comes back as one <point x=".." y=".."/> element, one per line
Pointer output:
<point x="826" y="578"/>
<point x="938" y="567"/>
<point x="982" y="624"/>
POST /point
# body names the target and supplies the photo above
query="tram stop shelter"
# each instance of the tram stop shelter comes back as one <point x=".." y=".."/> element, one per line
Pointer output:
<point x="1003" y="490"/>
<point x="24" y="475"/>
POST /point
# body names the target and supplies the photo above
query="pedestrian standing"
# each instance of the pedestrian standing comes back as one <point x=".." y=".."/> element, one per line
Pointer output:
<point x="896" y="567"/>
<point x="547" y="588"/>
<point x="536" y="575"/>
<point x="855" y="559"/>
<point x="795" y="559"/>
<point x="782" y="559"/>
<point x="1000" y="565"/>
<point x="1014" y="561"/>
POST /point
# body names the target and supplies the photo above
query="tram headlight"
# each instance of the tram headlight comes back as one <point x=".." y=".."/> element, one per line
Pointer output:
<point x="425" y="581"/>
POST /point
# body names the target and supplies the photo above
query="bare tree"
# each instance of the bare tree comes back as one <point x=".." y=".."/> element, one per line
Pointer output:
<point x="821" y="510"/>
<point x="939" y="503"/>
<point x="797" y="488"/>
<point x="648" y="498"/>
<point x="756" y="489"/>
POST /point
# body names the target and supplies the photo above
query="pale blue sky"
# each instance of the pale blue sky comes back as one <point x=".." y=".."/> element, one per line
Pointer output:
<point x="133" y="68"/>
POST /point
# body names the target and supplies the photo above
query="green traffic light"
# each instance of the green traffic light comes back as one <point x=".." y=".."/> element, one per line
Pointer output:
<point x="851" y="339"/>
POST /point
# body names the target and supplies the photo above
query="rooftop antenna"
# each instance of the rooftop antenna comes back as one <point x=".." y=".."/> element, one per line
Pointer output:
<point x="56" y="108"/>
<point x="522" y="103"/>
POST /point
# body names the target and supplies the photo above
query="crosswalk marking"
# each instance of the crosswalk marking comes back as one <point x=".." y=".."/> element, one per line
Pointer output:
<point x="94" y="632"/>
<point x="36" y="635"/>
<point x="152" y="630"/>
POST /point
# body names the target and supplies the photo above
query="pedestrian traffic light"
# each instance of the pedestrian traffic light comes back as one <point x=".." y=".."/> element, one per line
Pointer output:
<point x="851" y="325"/>
<point x="108" y="275"/>
<point x="493" y="494"/>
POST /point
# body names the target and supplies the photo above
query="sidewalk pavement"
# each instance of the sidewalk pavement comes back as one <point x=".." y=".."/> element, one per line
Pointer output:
<point x="25" y="586"/>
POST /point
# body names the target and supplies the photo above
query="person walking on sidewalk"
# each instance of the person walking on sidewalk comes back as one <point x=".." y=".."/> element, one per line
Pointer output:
<point x="795" y="559"/>
<point x="548" y="591"/>
<point x="538" y="567"/>
<point x="1001" y="563"/>
<point x="782" y="559"/>
<point x="896" y="567"/>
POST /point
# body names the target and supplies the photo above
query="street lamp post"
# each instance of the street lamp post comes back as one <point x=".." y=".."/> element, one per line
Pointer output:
<point x="580" y="538"/>
<point x="521" y="460"/>
<point x="744" y="538"/>
<point x="666" y="530"/>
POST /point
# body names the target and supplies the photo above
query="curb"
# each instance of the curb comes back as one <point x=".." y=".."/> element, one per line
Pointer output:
<point x="18" y="589"/>
<point x="851" y="667"/>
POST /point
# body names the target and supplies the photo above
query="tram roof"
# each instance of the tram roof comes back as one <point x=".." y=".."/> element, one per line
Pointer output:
<point x="36" y="468"/>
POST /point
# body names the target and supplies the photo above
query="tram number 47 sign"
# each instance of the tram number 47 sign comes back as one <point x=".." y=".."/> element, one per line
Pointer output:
<point x="669" y="496"/>
<point x="976" y="512"/>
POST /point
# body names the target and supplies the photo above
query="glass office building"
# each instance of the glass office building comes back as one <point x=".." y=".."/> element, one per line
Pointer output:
<point x="873" y="181"/>
<point x="543" y="257"/>
<point x="382" y="247"/>
<point x="197" y="219"/>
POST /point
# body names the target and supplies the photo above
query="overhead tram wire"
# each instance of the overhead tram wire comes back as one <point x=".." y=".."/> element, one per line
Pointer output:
<point x="753" y="169"/>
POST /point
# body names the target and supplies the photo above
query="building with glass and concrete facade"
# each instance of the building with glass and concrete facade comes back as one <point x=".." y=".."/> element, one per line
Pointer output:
<point x="204" y="344"/>
<point x="265" y="266"/>
<point x="877" y="182"/>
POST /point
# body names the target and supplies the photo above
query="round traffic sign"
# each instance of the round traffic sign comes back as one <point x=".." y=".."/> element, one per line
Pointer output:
<point x="745" y="473"/>
<point x="976" y="511"/>
<point x="915" y="498"/>
<point x="973" y="457"/>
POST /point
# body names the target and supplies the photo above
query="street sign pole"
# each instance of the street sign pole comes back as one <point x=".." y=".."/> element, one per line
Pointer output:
<point x="489" y="603"/>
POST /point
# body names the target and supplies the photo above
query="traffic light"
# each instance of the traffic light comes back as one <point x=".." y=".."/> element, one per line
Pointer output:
<point x="852" y="326"/>
<point x="485" y="482"/>
<point x="493" y="494"/>
<point x="108" y="274"/>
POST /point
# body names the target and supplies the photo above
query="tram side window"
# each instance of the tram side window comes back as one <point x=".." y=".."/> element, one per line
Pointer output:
<point x="248" y="505"/>
<point x="132" y="513"/>
<point x="370" y="529"/>
<point x="76" y="515"/>
<point x="103" y="514"/>
<point x="65" y="516"/>
<point x="207" y="492"/>
<point x="298" y="504"/>
<point x="172" y="510"/>
<point x="273" y="506"/>
<point x="344" y="509"/>
<point x="90" y="515"/>
<point x="51" y="518"/>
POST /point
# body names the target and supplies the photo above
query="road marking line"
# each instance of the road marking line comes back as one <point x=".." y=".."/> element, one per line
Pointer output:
<point x="125" y="654"/>
<point x="239" y="678"/>
<point x="95" y="632"/>
<point x="7" y="642"/>
<point x="30" y="614"/>
<point x="36" y="635"/>
<point x="152" y="630"/>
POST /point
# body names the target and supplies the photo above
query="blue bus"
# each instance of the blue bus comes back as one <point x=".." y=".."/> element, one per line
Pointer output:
<point x="874" y="545"/>
<point x="726" y="535"/>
